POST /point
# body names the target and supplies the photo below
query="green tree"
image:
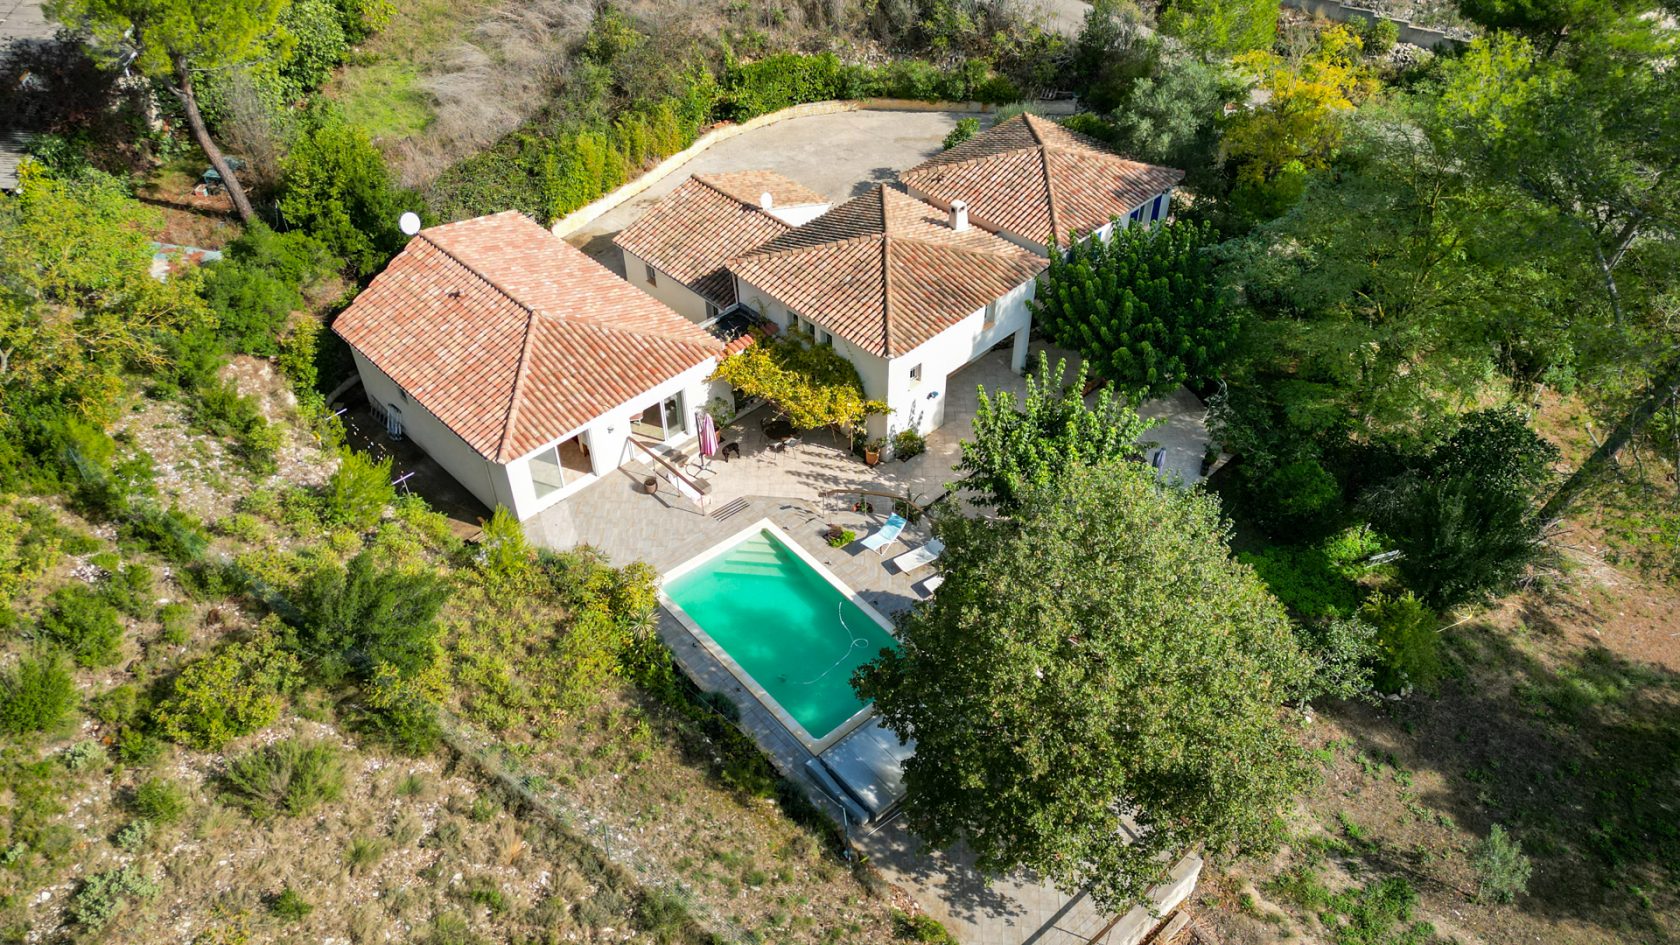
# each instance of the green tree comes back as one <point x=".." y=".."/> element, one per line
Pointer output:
<point x="1142" y="307"/>
<point x="355" y="618"/>
<point x="1219" y="29"/>
<point x="35" y="695"/>
<point x="1019" y="447"/>
<point x="335" y="185"/>
<point x="1467" y="520"/>
<point x="1063" y="687"/>
<point x="1590" y="142"/>
<point x="176" y="41"/>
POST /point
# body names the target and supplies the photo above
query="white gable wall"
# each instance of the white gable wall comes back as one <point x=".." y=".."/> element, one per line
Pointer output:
<point x="486" y="480"/>
<point x="918" y="403"/>
<point x="510" y="484"/>
<point x="667" y="288"/>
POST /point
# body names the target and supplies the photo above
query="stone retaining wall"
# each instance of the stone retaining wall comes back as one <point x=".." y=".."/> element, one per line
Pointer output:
<point x="583" y="216"/>
<point x="1347" y="12"/>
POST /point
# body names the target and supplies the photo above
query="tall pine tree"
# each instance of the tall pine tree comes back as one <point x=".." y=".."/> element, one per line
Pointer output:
<point x="1142" y="307"/>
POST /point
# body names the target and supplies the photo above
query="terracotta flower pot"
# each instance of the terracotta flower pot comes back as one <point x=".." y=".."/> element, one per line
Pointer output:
<point x="650" y="485"/>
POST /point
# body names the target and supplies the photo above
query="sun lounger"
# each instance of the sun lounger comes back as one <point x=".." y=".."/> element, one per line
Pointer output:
<point x="927" y="554"/>
<point x="932" y="584"/>
<point x="885" y="535"/>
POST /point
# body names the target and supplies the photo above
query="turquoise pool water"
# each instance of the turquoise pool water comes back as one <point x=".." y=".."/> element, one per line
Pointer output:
<point x="790" y="629"/>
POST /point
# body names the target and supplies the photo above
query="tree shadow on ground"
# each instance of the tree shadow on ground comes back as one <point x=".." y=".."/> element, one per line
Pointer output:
<point x="1575" y="751"/>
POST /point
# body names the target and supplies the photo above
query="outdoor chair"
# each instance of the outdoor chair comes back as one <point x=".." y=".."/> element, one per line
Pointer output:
<point x="926" y="554"/>
<point x="885" y="535"/>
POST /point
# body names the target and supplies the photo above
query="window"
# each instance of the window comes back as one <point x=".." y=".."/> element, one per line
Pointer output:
<point x="393" y="422"/>
<point x="711" y="311"/>
<point x="652" y="274"/>
<point x="1158" y="210"/>
<point x="559" y="466"/>
<point x="824" y="338"/>
<point x="916" y="374"/>
<point x="991" y="314"/>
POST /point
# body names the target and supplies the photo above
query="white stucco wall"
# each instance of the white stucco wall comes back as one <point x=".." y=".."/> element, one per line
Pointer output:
<point x="606" y="438"/>
<point x="889" y="379"/>
<point x="669" y="289"/>
<point x="510" y="485"/>
<point x="920" y="404"/>
<point x="484" y="479"/>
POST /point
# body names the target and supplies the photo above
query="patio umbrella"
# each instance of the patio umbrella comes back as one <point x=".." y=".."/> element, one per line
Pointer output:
<point x="708" y="438"/>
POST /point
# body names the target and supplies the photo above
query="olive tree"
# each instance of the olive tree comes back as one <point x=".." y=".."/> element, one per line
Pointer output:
<point x="1096" y="688"/>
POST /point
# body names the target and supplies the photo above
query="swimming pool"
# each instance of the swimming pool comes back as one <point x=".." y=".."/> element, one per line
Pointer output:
<point x="784" y="626"/>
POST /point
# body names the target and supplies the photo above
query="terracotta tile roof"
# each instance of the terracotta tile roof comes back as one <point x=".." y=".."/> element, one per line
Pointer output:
<point x="1032" y="177"/>
<point x="885" y="271"/>
<point x="511" y="337"/>
<point x="708" y="220"/>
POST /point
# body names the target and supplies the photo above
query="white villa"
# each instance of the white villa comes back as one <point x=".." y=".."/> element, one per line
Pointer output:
<point x="523" y="367"/>
<point x="527" y="370"/>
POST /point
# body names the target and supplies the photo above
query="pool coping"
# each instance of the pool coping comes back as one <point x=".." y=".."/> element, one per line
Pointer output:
<point x="815" y="746"/>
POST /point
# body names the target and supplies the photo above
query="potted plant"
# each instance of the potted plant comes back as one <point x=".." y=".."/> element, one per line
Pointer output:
<point x="838" y="537"/>
<point x="862" y="505"/>
<point x="1209" y="457"/>
<point x="650" y="485"/>
<point x="872" y="451"/>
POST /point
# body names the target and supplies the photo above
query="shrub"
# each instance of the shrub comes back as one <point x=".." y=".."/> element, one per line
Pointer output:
<point x="117" y="706"/>
<point x="921" y="928"/>
<point x="965" y="129"/>
<point x="908" y="443"/>
<point x="84" y="625"/>
<point x="1407" y="652"/>
<point x="84" y="755"/>
<point x="159" y="801"/>
<point x="133" y="836"/>
<point x="289" y="907"/>
<point x="335" y="185"/>
<point x="220" y="409"/>
<point x="103" y="895"/>
<point x="176" y="619"/>
<point x="286" y="778"/>
<point x="1143" y="306"/>
<point x="233" y="692"/>
<point x="1305" y="579"/>
<point x="1299" y="496"/>
<point x="172" y="533"/>
<point x="352" y="619"/>
<point x="1502" y="869"/>
<point x="359" y="490"/>
<point x="840" y="537"/>
<point x="37" y="694"/>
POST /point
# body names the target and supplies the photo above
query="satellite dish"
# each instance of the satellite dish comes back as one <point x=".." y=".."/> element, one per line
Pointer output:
<point x="409" y="223"/>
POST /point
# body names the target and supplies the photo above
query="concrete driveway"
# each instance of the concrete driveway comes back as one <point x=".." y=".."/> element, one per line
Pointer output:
<point x="839" y="156"/>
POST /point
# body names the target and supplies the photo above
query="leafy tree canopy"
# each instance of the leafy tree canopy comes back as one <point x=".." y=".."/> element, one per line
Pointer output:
<point x="808" y="383"/>
<point x="1020" y="446"/>
<point x="361" y="617"/>
<point x="1063" y="687"/>
<point x="1142" y="307"/>
<point x="1222" y="28"/>
<point x="336" y="186"/>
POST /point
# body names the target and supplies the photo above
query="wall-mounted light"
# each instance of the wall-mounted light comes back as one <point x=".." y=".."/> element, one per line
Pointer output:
<point x="933" y="395"/>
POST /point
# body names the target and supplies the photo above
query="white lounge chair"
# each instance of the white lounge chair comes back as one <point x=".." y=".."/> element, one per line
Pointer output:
<point x="885" y="535"/>
<point x="927" y="554"/>
<point x="932" y="584"/>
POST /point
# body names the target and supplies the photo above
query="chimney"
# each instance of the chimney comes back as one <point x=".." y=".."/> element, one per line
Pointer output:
<point x="765" y="201"/>
<point x="959" y="215"/>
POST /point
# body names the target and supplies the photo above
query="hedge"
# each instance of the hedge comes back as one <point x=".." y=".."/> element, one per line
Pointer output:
<point x="550" y="173"/>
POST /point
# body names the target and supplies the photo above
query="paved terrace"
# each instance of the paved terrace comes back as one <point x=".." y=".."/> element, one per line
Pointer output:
<point x="787" y="487"/>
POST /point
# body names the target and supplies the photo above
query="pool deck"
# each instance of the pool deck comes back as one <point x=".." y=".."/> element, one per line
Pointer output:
<point x="789" y="488"/>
